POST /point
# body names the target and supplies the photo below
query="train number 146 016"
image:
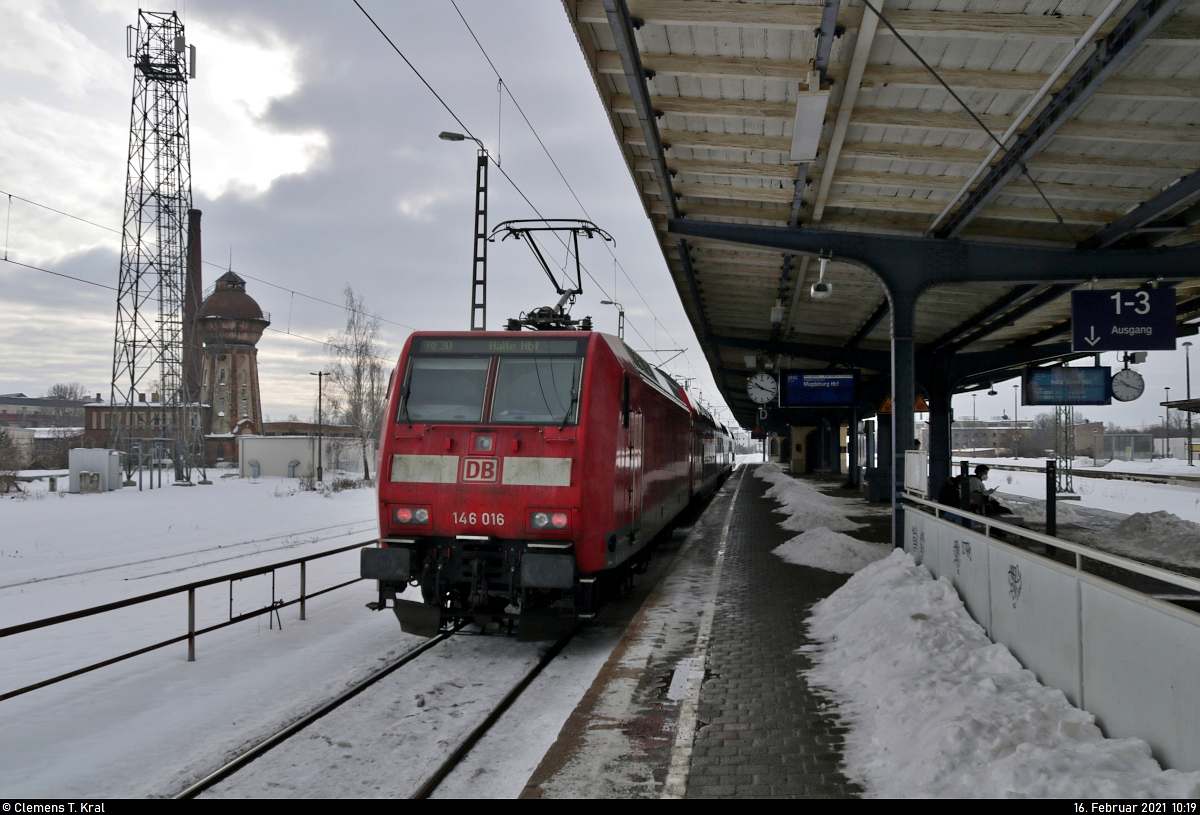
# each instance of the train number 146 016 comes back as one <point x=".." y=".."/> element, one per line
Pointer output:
<point x="480" y="518"/>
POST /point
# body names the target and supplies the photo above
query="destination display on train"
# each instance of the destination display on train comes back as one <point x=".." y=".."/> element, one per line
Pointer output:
<point x="818" y="389"/>
<point x="1068" y="386"/>
<point x="517" y="345"/>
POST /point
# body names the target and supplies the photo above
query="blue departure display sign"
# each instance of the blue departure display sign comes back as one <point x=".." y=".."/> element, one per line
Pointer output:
<point x="799" y="389"/>
<point x="1067" y="386"/>
<point x="1123" y="320"/>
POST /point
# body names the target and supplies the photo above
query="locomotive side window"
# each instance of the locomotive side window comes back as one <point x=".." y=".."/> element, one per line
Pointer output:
<point x="445" y="389"/>
<point x="537" y="390"/>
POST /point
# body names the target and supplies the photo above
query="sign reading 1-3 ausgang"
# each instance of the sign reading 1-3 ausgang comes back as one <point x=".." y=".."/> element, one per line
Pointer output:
<point x="1124" y="320"/>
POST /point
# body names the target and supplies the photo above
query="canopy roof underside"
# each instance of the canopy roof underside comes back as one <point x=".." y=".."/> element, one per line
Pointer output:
<point x="724" y="79"/>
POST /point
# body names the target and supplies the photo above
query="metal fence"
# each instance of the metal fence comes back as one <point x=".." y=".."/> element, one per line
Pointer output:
<point x="1127" y="657"/>
<point x="192" y="632"/>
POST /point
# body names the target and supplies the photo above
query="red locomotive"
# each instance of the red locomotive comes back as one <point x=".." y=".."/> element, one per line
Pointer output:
<point x="522" y="472"/>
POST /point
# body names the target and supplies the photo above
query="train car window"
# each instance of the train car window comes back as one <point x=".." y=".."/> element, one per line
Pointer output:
<point x="537" y="390"/>
<point x="445" y="389"/>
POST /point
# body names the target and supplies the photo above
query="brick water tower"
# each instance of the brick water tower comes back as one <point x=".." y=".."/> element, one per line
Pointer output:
<point x="230" y="324"/>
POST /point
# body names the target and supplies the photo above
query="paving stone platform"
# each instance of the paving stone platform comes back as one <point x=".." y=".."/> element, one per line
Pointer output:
<point x="761" y="730"/>
<point x="764" y="731"/>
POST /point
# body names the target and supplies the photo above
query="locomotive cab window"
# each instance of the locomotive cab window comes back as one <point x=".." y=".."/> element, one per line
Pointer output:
<point x="445" y="389"/>
<point x="537" y="390"/>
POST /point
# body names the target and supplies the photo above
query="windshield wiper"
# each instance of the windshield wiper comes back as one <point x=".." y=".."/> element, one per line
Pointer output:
<point x="404" y="405"/>
<point x="574" y="399"/>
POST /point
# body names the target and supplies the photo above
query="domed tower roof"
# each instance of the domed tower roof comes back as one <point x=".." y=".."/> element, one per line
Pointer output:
<point x="230" y="301"/>
<point x="229" y="315"/>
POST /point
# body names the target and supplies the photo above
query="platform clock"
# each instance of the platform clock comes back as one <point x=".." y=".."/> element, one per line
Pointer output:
<point x="1127" y="385"/>
<point x="762" y="388"/>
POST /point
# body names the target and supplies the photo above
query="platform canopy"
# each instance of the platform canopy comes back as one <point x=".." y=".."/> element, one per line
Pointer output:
<point x="1102" y="100"/>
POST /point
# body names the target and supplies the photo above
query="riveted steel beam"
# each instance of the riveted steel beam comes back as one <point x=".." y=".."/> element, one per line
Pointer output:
<point x="1110" y="54"/>
<point x="908" y="263"/>
<point x="1144" y="219"/>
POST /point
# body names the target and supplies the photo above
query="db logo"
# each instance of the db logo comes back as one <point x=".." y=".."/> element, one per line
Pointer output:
<point x="479" y="469"/>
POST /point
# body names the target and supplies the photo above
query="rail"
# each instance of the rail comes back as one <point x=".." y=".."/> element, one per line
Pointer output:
<point x="1080" y="551"/>
<point x="192" y="632"/>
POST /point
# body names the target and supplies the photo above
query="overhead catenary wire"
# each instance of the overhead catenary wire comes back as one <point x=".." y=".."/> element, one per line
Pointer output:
<point x="205" y="262"/>
<point x="616" y="261"/>
<point x="557" y="169"/>
<point x="326" y="343"/>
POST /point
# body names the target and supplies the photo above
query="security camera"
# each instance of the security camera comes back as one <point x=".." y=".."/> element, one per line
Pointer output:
<point x="822" y="289"/>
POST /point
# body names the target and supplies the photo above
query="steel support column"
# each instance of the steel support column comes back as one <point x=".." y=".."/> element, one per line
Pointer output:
<point x="940" y="391"/>
<point x="852" y="468"/>
<point x="904" y="395"/>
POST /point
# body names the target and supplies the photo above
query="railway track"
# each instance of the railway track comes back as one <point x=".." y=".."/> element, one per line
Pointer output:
<point x="444" y="769"/>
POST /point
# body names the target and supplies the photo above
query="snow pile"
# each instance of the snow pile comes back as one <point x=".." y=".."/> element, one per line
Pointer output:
<point x="805" y="506"/>
<point x="823" y="548"/>
<point x="1160" y="536"/>
<point x="938" y="710"/>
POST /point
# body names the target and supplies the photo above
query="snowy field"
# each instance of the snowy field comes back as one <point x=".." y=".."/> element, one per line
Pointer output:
<point x="1125" y="497"/>
<point x="934" y="708"/>
<point x="151" y="725"/>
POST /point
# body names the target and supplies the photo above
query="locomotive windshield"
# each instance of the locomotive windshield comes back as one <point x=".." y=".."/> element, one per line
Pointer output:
<point x="536" y="381"/>
<point x="537" y="390"/>
<point x="446" y="389"/>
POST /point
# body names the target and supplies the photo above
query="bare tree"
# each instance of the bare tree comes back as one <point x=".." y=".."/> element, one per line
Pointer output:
<point x="10" y="463"/>
<point x="66" y="391"/>
<point x="357" y="374"/>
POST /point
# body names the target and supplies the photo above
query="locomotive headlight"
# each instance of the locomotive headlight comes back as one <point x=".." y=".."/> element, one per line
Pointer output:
<point x="549" y="520"/>
<point x="410" y="515"/>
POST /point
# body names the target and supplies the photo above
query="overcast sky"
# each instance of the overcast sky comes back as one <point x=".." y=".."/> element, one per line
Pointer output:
<point x="316" y="161"/>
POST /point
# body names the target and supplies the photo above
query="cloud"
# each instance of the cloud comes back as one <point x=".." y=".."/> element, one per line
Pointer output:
<point x="235" y="146"/>
<point x="416" y="205"/>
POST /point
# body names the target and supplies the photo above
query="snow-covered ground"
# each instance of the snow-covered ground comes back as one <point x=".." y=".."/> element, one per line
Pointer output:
<point x="151" y="725"/>
<point x="935" y="708"/>
<point x="1084" y="464"/>
<point x="1155" y="522"/>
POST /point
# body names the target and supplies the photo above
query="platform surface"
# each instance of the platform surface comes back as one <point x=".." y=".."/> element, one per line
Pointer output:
<point x="752" y="726"/>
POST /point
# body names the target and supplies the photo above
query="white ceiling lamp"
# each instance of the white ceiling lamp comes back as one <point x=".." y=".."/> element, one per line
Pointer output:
<point x="751" y="361"/>
<point x="810" y="119"/>
<point x="777" y="312"/>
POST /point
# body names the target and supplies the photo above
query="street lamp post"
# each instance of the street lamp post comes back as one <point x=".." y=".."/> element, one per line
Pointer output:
<point x="620" y="317"/>
<point x="320" y="375"/>
<point x="479" y="250"/>
<point x="1187" y="356"/>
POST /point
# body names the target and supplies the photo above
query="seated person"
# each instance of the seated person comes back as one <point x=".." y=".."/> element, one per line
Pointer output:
<point x="951" y="492"/>
<point x="981" y="499"/>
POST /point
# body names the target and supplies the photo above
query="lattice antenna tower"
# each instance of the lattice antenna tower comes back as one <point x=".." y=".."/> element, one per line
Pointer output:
<point x="148" y="352"/>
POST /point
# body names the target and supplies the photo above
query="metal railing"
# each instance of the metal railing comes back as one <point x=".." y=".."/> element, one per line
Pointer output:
<point x="1123" y="652"/>
<point x="1080" y="551"/>
<point x="192" y="631"/>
